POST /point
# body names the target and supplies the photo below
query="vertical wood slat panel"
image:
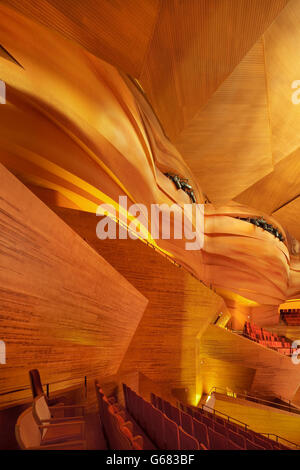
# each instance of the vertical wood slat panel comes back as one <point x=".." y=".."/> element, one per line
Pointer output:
<point x="195" y="47"/>
<point x="117" y="31"/>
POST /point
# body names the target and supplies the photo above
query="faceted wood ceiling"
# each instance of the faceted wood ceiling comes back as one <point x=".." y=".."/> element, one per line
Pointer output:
<point x="218" y="73"/>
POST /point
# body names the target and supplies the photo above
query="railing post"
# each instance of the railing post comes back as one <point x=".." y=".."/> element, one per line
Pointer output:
<point x="85" y="385"/>
<point x="47" y="390"/>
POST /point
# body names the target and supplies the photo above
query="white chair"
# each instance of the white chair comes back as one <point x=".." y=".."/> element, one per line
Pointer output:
<point x="45" y="413"/>
<point x="29" y="435"/>
<point x="75" y="428"/>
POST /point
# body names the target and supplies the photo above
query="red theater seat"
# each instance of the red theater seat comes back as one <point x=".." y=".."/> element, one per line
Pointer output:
<point x="153" y="399"/>
<point x="156" y="426"/>
<point x="233" y="446"/>
<point x="233" y="427"/>
<point x="175" y="415"/>
<point x="198" y="416"/>
<point x="237" y="439"/>
<point x="253" y="446"/>
<point x="220" y="428"/>
<point x="201" y="433"/>
<point x="246" y="434"/>
<point x="186" y="441"/>
<point x="167" y="408"/>
<point x="263" y="443"/>
<point x="160" y="404"/>
<point x="147" y="411"/>
<point x="170" y="434"/>
<point x="217" y="441"/>
<point x="120" y="435"/>
<point x="186" y="422"/>
<point x="208" y="421"/>
<point x="220" y="420"/>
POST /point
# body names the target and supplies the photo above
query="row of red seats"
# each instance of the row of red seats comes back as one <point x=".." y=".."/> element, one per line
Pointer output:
<point x="242" y="429"/>
<point x="261" y="333"/>
<point x="290" y="310"/>
<point x="118" y="430"/>
<point x="268" y="339"/>
<point x="213" y="431"/>
<point x="165" y="433"/>
<point x="290" y="321"/>
<point x="291" y="317"/>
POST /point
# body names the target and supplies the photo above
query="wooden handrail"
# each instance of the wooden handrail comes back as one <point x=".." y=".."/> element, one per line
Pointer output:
<point x="247" y="427"/>
<point x="229" y="418"/>
<point x="279" y="437"/>
<point x="47" y="385"/>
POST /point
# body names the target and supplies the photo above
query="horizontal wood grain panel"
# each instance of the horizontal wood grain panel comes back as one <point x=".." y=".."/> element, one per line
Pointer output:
<point x="275" y="373"/>
<point x="261" y="418"/>
<point x="63" y="308"/>
<point x="180" y="307"/>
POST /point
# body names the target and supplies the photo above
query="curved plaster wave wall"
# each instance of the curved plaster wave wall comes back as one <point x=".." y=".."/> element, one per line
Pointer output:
<point x="75" y="126"/>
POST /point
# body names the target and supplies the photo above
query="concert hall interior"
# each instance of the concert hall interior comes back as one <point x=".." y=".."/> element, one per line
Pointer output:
<point x="149" y="236"/>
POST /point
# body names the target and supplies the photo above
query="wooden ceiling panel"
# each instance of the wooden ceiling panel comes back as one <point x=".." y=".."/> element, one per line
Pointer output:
<point x="117" y="31"/>
<point x="288" y="216"/>
<point x="227" y="144"/>
<point x="196" y="45"/>
<point x="282" y="44"/>
<point x="276" y="189"/>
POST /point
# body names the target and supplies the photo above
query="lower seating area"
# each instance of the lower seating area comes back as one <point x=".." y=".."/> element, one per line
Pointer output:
<point x="266" y="338"/>
<point x="160" y="425"/>
<point x="213" y="431"/>
<point x="141" y="426"/>
<point x="121" y="433"/>
<point x="165" y="432"/>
